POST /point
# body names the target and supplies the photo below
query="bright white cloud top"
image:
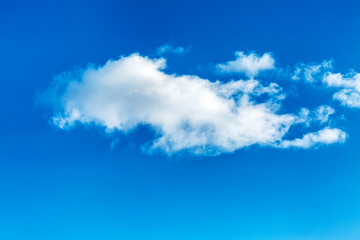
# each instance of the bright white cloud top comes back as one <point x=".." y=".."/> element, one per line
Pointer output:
<point x="187" y="112"/>
<point x="250" y="64"/>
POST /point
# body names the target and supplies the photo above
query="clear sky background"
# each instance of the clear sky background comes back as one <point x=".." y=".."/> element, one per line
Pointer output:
<point x="79" y="183"/>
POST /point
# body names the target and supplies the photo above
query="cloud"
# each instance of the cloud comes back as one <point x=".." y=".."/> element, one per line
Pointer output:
<point x="324" y="136"/>
<point x="250" y="64"/>
<point x="347" y="86"/>
<point x="187" y="112"/>
<point x="311" y="72"/>
<point x="167" y="48"/>
<point x="348" y="97"/>
<point x="323" y="112"/>
<point x="251" y="86"/>
<point x="320" y="114"/>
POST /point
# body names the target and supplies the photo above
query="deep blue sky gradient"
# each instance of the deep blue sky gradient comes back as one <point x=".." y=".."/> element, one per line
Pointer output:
<point x="71" y="185"/>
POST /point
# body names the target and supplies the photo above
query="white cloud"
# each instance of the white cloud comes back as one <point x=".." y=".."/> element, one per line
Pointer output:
<point x="311" y="72"/>
<point x="324" y="136"/>
<point x="348" y="97"/>
<point x="250" y="64"/>
<point x="250" y="86"/>
<point x="352" y="80"/>
<point x="167" y="48"/>
<point x="323" y="112"/>
<point x="349" y="85"/>
<point x="320" y="114"/>
<point x="187" y="112"/>
<point x="304" y="116"/>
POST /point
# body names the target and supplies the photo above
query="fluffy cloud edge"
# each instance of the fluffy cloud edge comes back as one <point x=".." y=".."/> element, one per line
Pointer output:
<point x="134" y="90"/>
<point x="346" y="86"/>
<point x="322" y="137"/>
<point x="249" y="64"/>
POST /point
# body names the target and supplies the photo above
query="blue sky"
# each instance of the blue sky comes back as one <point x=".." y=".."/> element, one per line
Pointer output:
<point x="206" y="120"/>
